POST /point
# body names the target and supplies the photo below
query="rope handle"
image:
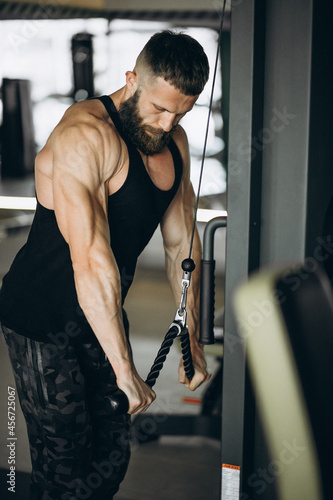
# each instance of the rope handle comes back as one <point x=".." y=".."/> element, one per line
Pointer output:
<point x="117" y="403"/>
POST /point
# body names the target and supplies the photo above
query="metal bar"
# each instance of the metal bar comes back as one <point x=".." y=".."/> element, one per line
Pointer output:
<point x="208" y="238"/>
<point x="238" y="234"/>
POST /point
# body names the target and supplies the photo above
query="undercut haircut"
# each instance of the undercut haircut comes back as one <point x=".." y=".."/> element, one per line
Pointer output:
<point x="177" y="58"/>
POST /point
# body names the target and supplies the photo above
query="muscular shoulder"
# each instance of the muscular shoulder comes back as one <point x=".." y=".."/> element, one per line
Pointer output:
<point x="85" y="136"/>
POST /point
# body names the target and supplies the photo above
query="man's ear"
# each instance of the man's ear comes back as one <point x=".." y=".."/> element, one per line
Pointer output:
<point x="131" y="82"/>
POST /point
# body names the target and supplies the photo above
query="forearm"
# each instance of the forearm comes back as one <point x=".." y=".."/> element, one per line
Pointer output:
<point x="174" y="259"/>
<point x="175" y="273"/>
<point x="99" y="295"/>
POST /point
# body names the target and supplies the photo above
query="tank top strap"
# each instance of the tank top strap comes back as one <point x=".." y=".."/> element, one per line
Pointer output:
<point x="177" y="161"/>
<point x="114" y="115"/>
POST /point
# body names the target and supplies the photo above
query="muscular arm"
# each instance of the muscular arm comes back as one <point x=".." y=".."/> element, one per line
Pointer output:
<point x="176" y="228"/>
<point x="80" y="203"/>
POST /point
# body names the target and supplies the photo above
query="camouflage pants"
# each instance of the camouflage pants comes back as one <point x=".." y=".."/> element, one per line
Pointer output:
<point x="77" y="450"/>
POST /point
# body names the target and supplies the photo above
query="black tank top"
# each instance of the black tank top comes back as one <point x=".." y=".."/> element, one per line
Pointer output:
<point x="38" y="297"/>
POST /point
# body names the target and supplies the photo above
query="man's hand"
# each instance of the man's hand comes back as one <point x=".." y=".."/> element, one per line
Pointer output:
<point x="201" y="373"/>
<point x="139" y="394"/>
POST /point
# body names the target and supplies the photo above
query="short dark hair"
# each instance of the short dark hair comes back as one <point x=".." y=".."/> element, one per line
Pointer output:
<point x="177" y="58"/>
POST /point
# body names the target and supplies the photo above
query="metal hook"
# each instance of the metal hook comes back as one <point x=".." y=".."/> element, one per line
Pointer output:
<point x="188" y="266"/>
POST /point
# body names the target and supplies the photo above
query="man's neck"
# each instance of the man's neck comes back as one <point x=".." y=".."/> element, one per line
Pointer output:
<point x="119" y="97"/>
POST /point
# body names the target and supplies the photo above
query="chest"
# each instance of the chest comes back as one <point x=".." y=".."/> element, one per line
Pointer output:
<point x="160" y="169"/>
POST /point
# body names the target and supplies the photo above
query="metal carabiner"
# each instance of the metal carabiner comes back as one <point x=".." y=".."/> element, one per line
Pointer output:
<point x="181" y="314"/>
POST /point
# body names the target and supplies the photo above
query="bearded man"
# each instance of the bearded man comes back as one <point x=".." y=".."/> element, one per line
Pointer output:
<point x="113" y="169"/>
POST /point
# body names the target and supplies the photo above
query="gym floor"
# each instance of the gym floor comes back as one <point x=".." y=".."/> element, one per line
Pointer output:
<point x="171" y="466"/>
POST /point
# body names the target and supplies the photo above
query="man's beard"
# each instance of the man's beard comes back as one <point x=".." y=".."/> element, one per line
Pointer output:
<point x="131" y="121"/>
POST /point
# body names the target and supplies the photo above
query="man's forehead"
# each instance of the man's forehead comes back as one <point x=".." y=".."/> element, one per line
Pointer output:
<point x="163" y="94"/>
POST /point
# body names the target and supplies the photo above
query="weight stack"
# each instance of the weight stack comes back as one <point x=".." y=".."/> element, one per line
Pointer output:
<point x="18" y="148"/>
<point x="82" y="57"/>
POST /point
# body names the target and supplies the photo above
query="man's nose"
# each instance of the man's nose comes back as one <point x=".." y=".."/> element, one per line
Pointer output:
<point x="167" y="121"/>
